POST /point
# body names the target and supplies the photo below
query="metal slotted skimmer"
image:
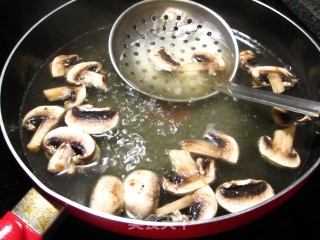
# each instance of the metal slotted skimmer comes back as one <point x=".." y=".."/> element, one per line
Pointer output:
<point x="181" y="28"/>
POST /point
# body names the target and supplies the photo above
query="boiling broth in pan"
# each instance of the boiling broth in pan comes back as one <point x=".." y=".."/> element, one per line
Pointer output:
<point x="148" y="127"/>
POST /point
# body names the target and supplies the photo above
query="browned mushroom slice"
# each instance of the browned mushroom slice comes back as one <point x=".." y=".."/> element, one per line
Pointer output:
<point x="74" y="95"/>
<point x="87" y="73"/>
<point x="67" y="147"/>
<point x="92" y="120"/>
<point x="239" y="195"/>
<point x="280" y="150"/>
<point x="62" y="64"/>
<point x="202" y="201"/>
<point x="204" y="61"/>
<point x="248" y="60"/>
<point x="41" y="120"/>
<point x="141" y="193"/>
<point x="190" y="175"/>
<point x="216" y="145"/>
<point x="108" y="195"/>
<point x="163" y="61"/>
<point x="279" y="78"/>
<point x="287" y="118"/>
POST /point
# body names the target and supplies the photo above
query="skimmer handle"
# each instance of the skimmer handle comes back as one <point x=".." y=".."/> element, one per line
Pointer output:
<point x="294" y="104"/>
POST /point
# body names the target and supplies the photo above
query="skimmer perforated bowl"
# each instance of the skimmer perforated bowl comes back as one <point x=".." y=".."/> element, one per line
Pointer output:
<point x="182" y="28"/>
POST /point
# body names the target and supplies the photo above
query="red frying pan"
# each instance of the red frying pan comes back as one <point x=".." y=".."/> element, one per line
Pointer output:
<point x="282" y="36"/>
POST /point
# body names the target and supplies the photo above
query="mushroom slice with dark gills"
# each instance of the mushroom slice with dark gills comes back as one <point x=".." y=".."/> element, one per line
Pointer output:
<point x="287" y="118"/>
<point x="277" y="77"/>
<point x="62" y="64"/>
<point x="163" y="60"/>
<point x="205" y="61"/>
<point x="248" y="60"/>
<point x="280" y="150"/>
<point x="216" y="145"/>
<point x="141" y="193"/>
<point x="92" y="120"/>
<point x="41" y="120"/>
<point x="68" y="147"/>
<point x="73" y="95"/>
<point x="239" y="195"/>
<point x="88" y="73"/>
<point x="202" y="202"/>
<point x="189" y="174"/>
<point x="108" y="195"/>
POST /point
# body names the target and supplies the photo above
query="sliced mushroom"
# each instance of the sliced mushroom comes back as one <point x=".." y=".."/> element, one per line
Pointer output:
<point x="279" y="78"/>
<point x="205" y="61"/>
<point x="216" y="145"/>
<point x="62" y="159"/>
<point x="287" y="118"/>
<point x="202" y="201"/>
<point x="68" y="146"/>
<point x="141" y="193"/>
<point x="74" y="95"/>
<point x="280" y="150"/>
<point x="87" y="73"/>
<point x="183" y="163"/>
<point x="177" y="216"/>
<point x="41" y="120"/>
<point x="108" y="195"/>
<point x="248" y="60"/>
<point x="62" y="64"/>
<point x="163" y="61"/>
<point x="239" y="195"/>
<point x="92" y="120"/>
<point x="190" y="175"/>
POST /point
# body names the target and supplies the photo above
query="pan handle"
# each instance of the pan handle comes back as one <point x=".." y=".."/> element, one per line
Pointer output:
<point x="30" y="218"/>
<point x="13" y="228"/>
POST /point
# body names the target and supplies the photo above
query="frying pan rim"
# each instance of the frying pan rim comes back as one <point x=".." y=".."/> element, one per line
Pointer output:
<point x="292" y="22"/>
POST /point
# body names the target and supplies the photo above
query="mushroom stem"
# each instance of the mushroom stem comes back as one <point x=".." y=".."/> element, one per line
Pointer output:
<point x="276" y="83"/>
<point x="178" y="204"/>
<point x="203" y="202"/>
<point x="45" y="126"/>
<point x="283" y="139"/>
<point x="58" y="93"/>
<point x="60" y="159"/>
<point x="75" y="95"/>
